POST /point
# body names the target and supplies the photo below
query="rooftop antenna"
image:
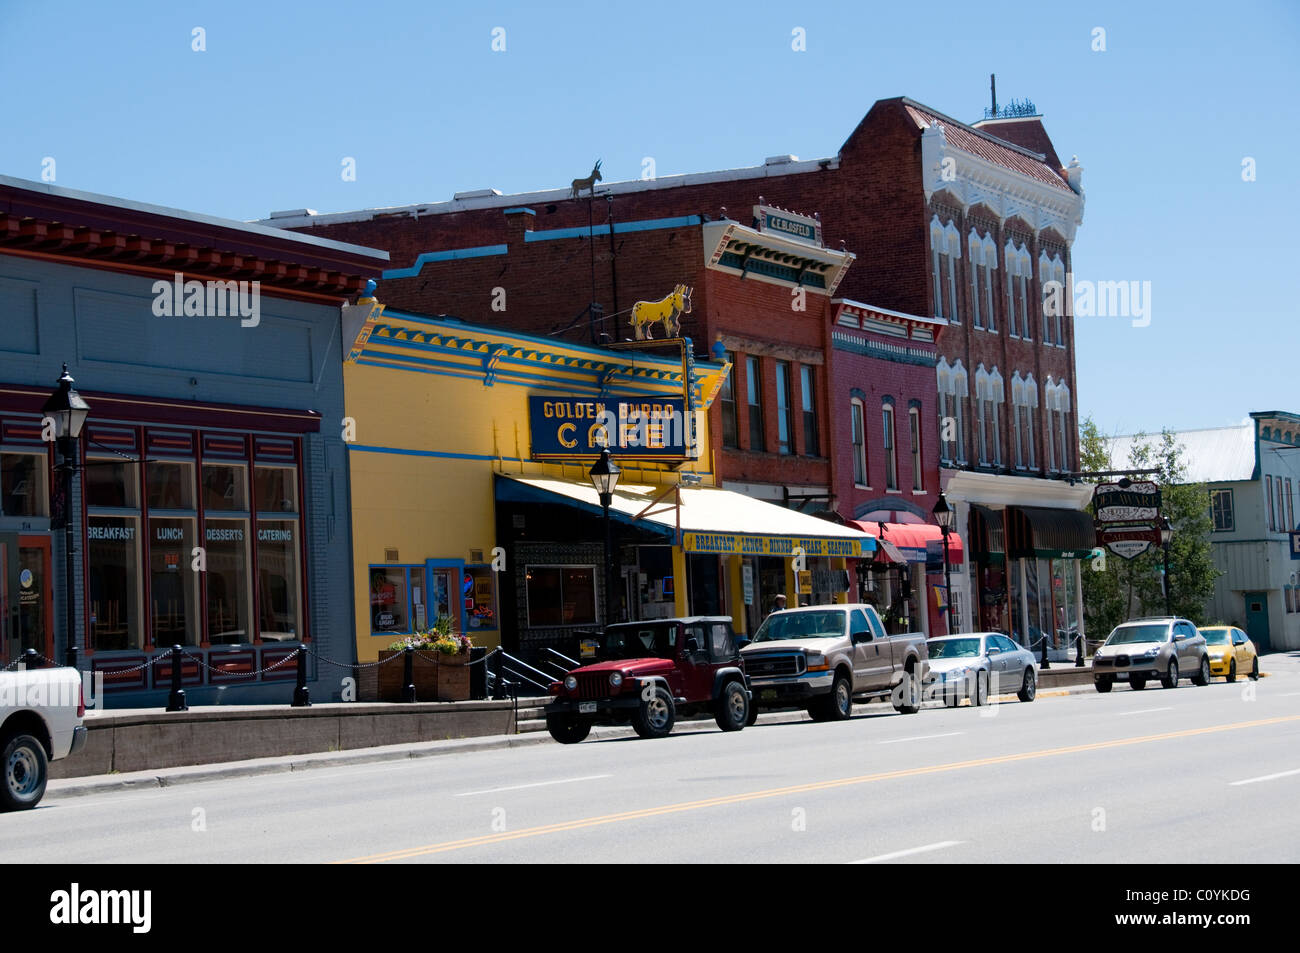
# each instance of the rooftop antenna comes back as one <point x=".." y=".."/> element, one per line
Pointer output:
<point x="993" y="91"/>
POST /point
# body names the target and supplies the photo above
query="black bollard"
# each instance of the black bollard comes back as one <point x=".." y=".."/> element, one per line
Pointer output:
<point x="31" y="660"/>
<point x="1044" y="663"/>
<point x="176" y="700"/>
<point x="301" y="697"/>
<point x="408" y="675"/>
<point x="72" y="656"/>
<point x="1078" y="655"/>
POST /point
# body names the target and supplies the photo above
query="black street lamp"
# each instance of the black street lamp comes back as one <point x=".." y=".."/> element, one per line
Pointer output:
<point x="604" y="475"/>
<point x="68" y="412"/>
<point x="1167" y="537"/>
<point x="943" y="516"/>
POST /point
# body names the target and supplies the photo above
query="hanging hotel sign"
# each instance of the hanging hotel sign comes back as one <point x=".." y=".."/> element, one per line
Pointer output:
<point x="746" y="545"/>
<point x="1116" y="503"/>
<point x="801" y="228"/>
<point x="572" y="428"/>
<point x="1128" y="541"/>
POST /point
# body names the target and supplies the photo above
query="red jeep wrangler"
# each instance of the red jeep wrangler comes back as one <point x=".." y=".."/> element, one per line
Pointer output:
<point x="650" y="672"/>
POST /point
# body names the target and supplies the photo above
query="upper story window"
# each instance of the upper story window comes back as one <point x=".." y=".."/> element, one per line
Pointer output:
<point x="1057" y="402"/>
<point x="1051" y="275"/>
<point x="727" y="397"/>
<point x="988" y="412"/>
<point x="785" y="433"/>
<point x="982" y="254"/>
<point x="1268" y="503"/>
<point x="1221" y="511"/>
<point x="1024" y="402"/>
<point x="754" y="394"/>
<point x="953" y="392"/>
<point x="24" y="485"/>
<point x="914" y="432"/>
<point x="808" y="397"/>
<point x="1018" y="274"/>
<point x="859" y="443"/>
<point x="891" y="458"/>
<point x="945" y="252"/>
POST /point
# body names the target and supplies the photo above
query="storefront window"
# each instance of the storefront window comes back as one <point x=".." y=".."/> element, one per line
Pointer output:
<point x="173" y="584"/>
<point x="275" y="489"/>
<point x="111" y="483"/>
<point x="171" y="485"/>
<point x="561" y="595"/>
<point x="23" y="485"/>
<point x="480" y="598"/>
<point x="227" y="581"/>
<point x="277" y="579"/>
<point x="389" y="600"/>
<point x="113" y="549"/>
<point x="225" y="487"/>
<point x="444" y="595"/>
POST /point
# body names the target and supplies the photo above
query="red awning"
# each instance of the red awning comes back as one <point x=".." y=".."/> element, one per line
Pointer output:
<point x="912" y="539"/>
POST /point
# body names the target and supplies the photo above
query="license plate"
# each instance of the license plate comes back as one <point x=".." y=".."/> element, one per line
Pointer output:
<point x="586" y="708"/>
<point x="767" y="694"/>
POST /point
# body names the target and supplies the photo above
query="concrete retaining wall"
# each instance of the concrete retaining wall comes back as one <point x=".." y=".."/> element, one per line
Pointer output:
<point x="136" y="740"/>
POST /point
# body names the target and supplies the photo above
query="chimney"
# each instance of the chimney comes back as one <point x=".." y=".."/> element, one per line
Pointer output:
<point x="518" y="221"/>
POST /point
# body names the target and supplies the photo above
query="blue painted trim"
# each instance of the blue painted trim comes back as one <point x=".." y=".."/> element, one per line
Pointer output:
<point x="620" y="228"/>
<point x="442" y="368"/>
<point x="500" y="334"/>
<point x="888" y="399"/>
<point x="401" y="451"/>
<point x="858" y="393"/>
<point x="453" y="254"/>
<point x="519" y="208"/>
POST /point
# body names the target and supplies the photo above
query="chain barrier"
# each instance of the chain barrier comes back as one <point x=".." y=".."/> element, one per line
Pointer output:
<point x="352" y="665"/>
<point x="114" y="673"/>
<point x="220" y="671"/>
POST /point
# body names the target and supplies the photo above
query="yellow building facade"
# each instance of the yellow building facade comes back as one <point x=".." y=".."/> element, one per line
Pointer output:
<point x="469" y="449"/>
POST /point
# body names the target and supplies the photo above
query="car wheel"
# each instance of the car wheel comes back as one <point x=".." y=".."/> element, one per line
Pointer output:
<point x="1254" y="669"/>
<point x="1137" y="682"/>
<point x="752" y="717"/>
<point x="566" y="729"/>
<point x="981" y="695"/>
<point x="907" y="701"/>
<point x="1202" y="676"/>
<point x="1170" y="678"/>
<point x="836" y="705"/>
<point x="1232" y="671"/>
<point x="1029" y="690"/>
<point x="26" y="769"/>
<point x="1103" y="683"/>
<point x="655" y="715"/>
<point x="733" y="707"/>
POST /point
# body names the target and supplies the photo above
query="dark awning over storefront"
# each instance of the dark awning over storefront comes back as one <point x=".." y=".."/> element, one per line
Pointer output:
<point x="1035" y="531"/>
<point x="986" y="531"/>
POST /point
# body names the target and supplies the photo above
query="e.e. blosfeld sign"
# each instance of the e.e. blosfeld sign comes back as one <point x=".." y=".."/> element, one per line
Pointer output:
<point x="653" y="428"/>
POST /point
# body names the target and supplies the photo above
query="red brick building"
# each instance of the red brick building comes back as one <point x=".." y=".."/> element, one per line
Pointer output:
<point x="965" y="222"/>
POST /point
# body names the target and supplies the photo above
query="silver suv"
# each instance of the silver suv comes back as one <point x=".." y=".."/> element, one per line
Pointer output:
<point x="1163" y="647"/>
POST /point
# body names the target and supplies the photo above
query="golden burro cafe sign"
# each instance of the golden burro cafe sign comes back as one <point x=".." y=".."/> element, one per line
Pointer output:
<point x="654" y="428"/>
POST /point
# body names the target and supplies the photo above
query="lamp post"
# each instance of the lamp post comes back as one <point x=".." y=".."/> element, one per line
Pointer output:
<point x="604" y="475"/>
<point x="1167" y="537"/>
<point x="943" y="516"/>
<point x="68" y="412"/>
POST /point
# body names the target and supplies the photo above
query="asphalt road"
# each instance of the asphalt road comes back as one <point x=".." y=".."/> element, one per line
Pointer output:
<point x="1198" y="775"/>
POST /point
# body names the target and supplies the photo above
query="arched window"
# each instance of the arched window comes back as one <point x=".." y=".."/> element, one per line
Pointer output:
<point x="945" y="251"/>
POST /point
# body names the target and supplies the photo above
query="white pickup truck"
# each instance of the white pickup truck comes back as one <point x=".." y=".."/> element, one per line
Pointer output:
<point x="824" y="657"/>
<point x="41" y="712"/>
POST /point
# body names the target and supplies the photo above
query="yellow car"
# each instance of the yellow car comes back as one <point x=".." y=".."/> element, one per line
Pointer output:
<point x="1231" y="651"/>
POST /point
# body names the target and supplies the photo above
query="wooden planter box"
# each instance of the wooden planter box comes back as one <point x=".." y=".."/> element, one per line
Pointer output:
<point x="437" y="677"/>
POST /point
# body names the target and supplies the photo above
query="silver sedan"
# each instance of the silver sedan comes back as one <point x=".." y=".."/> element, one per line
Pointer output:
<point x="979" y="665"/>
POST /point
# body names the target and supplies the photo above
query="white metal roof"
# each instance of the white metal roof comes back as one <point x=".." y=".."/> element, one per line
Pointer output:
<point x="1213" y="455"/>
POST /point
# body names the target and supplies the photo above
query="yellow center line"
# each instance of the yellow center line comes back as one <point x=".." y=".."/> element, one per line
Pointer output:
<point x="485" y="839"/>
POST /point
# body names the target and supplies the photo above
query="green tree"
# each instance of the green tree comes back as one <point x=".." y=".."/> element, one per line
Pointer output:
<point x="1119" y="589"/>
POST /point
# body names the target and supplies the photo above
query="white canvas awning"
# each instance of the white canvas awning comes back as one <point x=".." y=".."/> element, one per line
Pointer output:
<point x="710" y="520"/>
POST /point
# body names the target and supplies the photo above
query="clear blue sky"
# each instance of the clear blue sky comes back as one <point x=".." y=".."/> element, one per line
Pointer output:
<point x="1161" y="122"/>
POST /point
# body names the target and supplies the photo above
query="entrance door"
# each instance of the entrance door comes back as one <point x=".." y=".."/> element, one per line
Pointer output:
<point x="1257" y="619"/>
<point x="35" y="598"/>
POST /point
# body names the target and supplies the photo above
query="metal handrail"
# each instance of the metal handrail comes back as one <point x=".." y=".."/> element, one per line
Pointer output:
<point x="563" y="658"/>
<point x="506" y="659"/>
